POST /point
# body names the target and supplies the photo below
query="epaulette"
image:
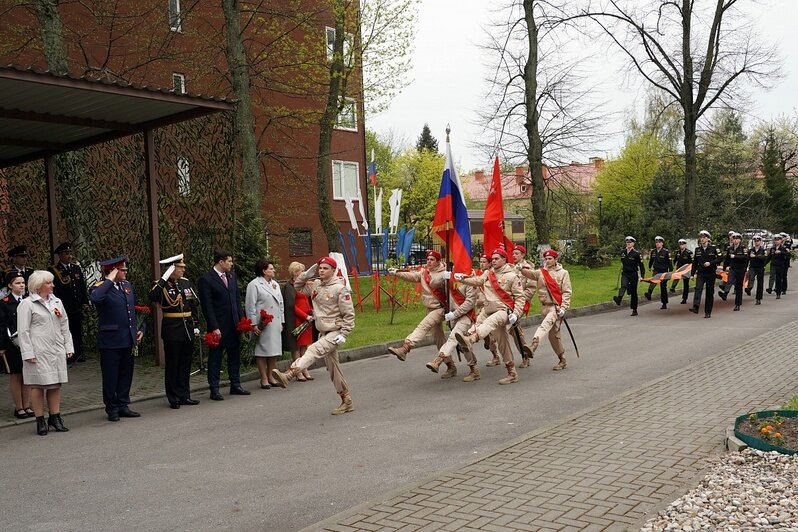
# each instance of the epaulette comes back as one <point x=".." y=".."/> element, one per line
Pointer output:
<point x="98" y="283"/>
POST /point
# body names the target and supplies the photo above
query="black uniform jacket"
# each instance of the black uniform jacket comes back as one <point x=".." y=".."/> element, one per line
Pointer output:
<point x="680" y="258"/>
<point x="69" y="286"/>
<point x="710" y="255"/>
<point x="179" y="305"/>
<point x="660" y="260"/>
<point x="758" y="258"/>
<point x="631" y="261"/>
<point x="736" y="257"/>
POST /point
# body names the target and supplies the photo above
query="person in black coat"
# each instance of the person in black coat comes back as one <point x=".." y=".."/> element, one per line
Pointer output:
<point x="15" y="282"/>
<point x="220" y="301"/>
<point x="19" y="264"/>
<point x="69" y="285"/>
<point x="179" y="328"/>
<point x="758" y="258"/>
<point x="779" y="254"/>
<point x="117" y="334"/>
<point x="631" y="262"/>
<point x="659" y="262"/>
<point x="706" y="257"/>
<point x="682" y="257"/>
<point x="736" y="263"/>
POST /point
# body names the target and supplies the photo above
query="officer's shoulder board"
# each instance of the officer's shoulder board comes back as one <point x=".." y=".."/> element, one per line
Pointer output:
<point x="98" y="283"/>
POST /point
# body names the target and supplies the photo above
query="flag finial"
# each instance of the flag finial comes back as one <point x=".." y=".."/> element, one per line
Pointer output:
<point x="448" y="130"/>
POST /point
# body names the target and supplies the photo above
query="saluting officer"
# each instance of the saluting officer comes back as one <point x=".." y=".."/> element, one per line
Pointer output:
<point x="631" y="263"/>
<point x="736" y="262"/>
<point x="758" y="258"/>
<point x="705" y="259"/>
<point x="69" y="286"/>
<point x="681" y="257"/>
<point x="19" y="266"/>
<point x="659" y="262"/>
<point x="179" y="327"/>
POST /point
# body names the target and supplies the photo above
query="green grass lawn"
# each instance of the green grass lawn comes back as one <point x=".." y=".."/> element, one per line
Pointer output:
<point x="590" y="286"/>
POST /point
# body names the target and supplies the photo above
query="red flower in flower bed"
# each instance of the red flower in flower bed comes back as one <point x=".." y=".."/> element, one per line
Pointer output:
<point x="244" y="325"/>
<point x="144" y="309"/>
<point x="265" y="318"/>
<point x="212" y="340"/>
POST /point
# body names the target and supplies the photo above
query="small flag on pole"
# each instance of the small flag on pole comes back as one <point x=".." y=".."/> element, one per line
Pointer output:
<point x="373" y="170"/>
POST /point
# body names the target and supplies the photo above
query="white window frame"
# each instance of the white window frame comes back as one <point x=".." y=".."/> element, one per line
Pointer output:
<point x="175" y="16"/>
<point x="183" y="176"/>
<point x="179" y="83"/>
<point x="348" y="103"/>
<point x="338" y="184"/>
<point x="349" y="39"/>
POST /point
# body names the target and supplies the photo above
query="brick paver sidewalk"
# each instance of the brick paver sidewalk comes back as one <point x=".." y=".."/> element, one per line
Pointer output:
<point x="602" y="469"/>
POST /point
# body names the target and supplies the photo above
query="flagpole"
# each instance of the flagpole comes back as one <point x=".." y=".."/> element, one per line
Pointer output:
<point x="448" y="233"/>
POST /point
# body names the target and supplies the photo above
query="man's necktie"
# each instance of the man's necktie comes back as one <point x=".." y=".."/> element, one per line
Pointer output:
<point x="224" y="280"/>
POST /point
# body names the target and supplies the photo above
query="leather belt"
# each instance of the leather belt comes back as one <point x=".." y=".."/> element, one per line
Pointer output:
<point x="177" y="314"/>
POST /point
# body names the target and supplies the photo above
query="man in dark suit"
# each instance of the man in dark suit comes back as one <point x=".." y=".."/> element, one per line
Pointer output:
<point x="117" y="334"/>
<point x="69" y="286"/>
<point x="218" y="292"/>
<point x="178" y="329"/>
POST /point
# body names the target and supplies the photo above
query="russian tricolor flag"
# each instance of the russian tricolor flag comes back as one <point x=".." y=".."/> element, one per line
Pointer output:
<point x="373" y="170"/>
<point x="450" y="223"/>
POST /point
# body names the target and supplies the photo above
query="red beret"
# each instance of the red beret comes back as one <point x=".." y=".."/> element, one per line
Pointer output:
<point x="520" y="248"/>
<point x="329" y="261"/>
<point x="434" y="254"/>
<point x="550" y="253"/>
<point x="499" y="251"/>
<point x="484" y="256"/>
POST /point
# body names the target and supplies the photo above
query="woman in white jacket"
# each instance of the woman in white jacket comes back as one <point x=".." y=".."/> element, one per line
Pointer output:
<point x="263" y="294"/>
<point x="45" y="344"/>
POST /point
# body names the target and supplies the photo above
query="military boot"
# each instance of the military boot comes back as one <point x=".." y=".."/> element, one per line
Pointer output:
<point x="465" y="341"/>
<point x="284" y="378"/>
<point x="436" y="363"/>
<point x="473" y="374"/>
<point x="451" y="370"/>
<point x="345" y="406"/>
<point x="562" y="364"/>
<point x="401" y="351"/>
<point x="494" y="361"/>
<point x="512" y="374"/>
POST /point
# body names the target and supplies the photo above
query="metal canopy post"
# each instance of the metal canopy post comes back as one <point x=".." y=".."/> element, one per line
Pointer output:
<point x="49" y="180"/>
<point x="155" y="238"/>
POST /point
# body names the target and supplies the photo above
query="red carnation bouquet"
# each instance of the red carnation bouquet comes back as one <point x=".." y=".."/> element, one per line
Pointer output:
<point x="212" y="340"/>
<point x="245" y="325"/>
<point x="142" y="311"/>
<point x="265" y="319"/>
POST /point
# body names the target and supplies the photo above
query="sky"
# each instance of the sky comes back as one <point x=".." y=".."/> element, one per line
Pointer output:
<point x="447" y="84"/>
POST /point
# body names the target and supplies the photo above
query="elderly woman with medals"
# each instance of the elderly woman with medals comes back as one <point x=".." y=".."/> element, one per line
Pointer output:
<point x="178" y="329"/>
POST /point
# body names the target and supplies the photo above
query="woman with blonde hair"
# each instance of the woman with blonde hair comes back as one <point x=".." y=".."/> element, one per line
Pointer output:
<point x="45" y="343"/>
<point x="297" y="310"/>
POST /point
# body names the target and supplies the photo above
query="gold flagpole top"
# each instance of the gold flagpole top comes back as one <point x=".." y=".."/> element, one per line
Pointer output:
<point x="448" y="130"/>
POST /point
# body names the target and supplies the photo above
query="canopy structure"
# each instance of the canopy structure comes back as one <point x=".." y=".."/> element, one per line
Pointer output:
<point x="43" y="114"/>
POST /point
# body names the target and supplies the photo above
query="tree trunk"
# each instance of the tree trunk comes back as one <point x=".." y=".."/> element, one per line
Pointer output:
<point x="244" y="123"/>
<point x="535" y="146"/>
<point x="326" y="125"/>
<point x="690" y="118"/>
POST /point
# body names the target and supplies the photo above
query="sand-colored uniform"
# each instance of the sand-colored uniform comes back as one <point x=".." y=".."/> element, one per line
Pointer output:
<point x="549" y="307"/>
<point x="431" y="281"/>
<point x="494" y="315"/>
<point x="462" y="320"/>
<point x="334" y="314"/>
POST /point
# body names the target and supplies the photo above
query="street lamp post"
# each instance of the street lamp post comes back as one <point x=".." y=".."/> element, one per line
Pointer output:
<point x="600" y="199"/>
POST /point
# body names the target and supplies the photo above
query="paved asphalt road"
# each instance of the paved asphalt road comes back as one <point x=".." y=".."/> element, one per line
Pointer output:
<point x="278" y="461"/>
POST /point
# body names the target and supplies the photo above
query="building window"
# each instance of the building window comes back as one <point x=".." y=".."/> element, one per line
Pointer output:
<point x="346" y="180"/>
<point x="523" y="189"/>
<point x="300" y="242"/>
<point x="175" y="22"/>
<point x="178" y="83"/>
<point x="476" y="227"/>
<point x="348" y="40"/>
<point x="518" y="226"/>
<point x="347" y="118"/>
<point x="183" y="177"/>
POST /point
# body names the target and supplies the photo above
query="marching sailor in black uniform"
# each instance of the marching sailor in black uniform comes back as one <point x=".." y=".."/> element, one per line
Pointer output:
<point x="680" y="258"/>
<point x="659" y="262"/>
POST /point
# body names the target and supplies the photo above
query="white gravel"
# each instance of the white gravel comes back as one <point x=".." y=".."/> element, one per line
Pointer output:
<point x="751" y="490"/>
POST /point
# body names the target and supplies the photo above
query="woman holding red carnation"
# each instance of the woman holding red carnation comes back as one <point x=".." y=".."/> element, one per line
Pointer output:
<point x="264" y="307"/>
<point x="297" y="311"/>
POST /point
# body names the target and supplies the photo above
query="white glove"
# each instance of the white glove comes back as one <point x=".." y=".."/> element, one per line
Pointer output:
<point x="512" y="318"/>
<point x="311" y="317"/>
<point x="169" y="271"/>
<point x="196" y="331"/>
<point x="447" y="275"/>
<point x="561" y="313"/>
<point x="449" y="316"/>
<point x="311" y="272"/>
<point x="459" y="276"/>
<point x="340" y="339"/>
<point x="392" y="271"/>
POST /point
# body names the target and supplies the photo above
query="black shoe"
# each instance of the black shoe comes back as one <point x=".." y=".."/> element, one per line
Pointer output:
<point x="736" y="308"/>
<point x="694" y="310"/>
<point x="647" y="295"/>
<point x="189" y="402"/>
<point x="748" y="291"/>
<point x="673" y="290"/>
<point x="722" y="295"/>
<point x="707" y="315"/>
<point x="113" y="417"/>
<point x="758" y="302"/>
<point x="778" y="296"/>
<point x="634" y="313"/>
<point x="617" y="300"/>
<point x="41" y="426"/>
<point x="128" y="413"/>
<point x="21" y="415"/>
<point x="216" y="396"/>
<point x="239" y="391"/>
<point x="769" y="290"/>
<point x="683" y="302"/>
<point x="265" y="386"/>
<point x="784" y="293"/>
<point x="664" y="306"/>
<point x="57" y="423"/>
<point x="174" y="406"/>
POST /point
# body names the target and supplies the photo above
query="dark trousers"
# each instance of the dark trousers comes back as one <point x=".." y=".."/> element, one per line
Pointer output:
<point x="663" y="290"/>
<point x="233" y="367"/>
<point x="778" y="275"/>
<point x="738" y="278"/>
<point x="784" y="277"/>
<point x="685" y="284"/>
<point x="629" y="284"/>
<point x="758" y="275"/>
<point x="117" y="369"/>
<point x="177" y="369"/>
<point x="731" y="281"/>
<point x="704" y="284"/>
<point x="76" y="330"/>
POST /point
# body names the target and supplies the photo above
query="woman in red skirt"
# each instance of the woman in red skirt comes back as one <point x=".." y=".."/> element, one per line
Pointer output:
<point x="297" y="310"/>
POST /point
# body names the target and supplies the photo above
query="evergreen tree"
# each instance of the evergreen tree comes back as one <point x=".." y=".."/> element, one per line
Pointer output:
<point x="776" y="184"/>
<point x="426" y="141"/>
